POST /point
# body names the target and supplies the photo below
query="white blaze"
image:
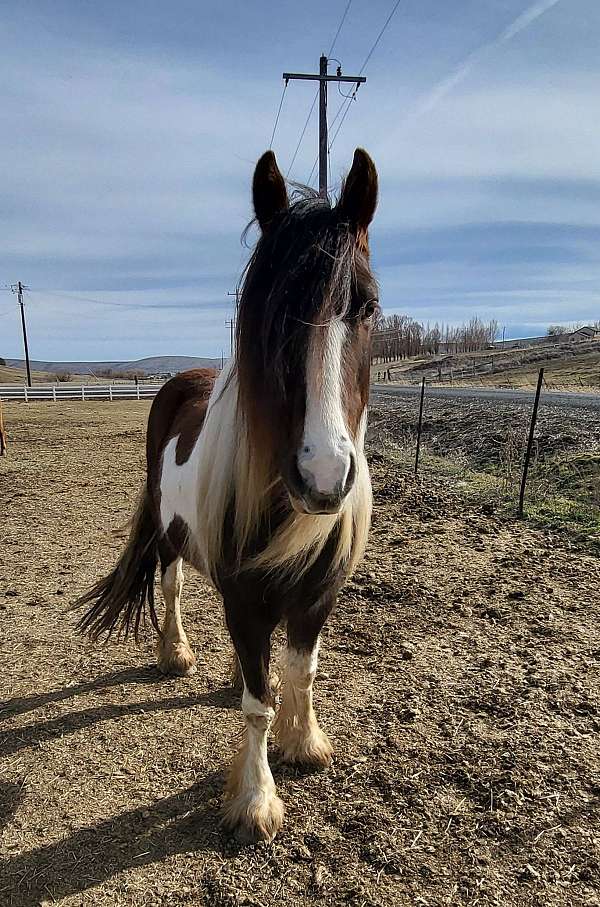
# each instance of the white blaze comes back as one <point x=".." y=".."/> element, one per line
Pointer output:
<point x="324" y="457"/>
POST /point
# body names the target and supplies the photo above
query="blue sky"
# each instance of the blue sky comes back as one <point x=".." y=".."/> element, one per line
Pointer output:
<point x="131" y="130"/>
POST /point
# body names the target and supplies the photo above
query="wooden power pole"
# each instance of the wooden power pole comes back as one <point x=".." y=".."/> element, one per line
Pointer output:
<point x="323" y="78"/>
<point x="18" y="289"/>
<point x="231" y="322"/>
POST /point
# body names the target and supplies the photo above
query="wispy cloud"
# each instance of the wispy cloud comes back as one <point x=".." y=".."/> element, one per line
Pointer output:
<point x="446" y="85"/>
<point x="129" y="164"/>
<point x="526" y="18"/>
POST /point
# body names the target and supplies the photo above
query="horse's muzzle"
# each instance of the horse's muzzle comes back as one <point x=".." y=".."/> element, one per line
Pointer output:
<point x="305" y="498"/>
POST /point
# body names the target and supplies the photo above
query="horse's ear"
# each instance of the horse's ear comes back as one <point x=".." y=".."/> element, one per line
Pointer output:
<point x="359" y="194"/>
<point x="269" y="194"/>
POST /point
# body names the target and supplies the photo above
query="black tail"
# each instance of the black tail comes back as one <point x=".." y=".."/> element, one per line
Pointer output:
<point x="119" y="601"/>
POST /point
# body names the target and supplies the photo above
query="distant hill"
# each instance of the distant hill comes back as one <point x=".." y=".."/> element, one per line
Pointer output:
<point x="10" y="375"/>
<point x="152" y="365"/>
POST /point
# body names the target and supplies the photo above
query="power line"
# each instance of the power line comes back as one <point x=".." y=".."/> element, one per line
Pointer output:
<point x="337" y="34"/>
<point x="72" y="298"/>
<point x="365" y="63"/>
<point x="278" y="113"/>
<point x="68" y="297"/>
<point x="380" y="35"/>
<point x="348" y="106"/>
<point x="307" y="121"/>
<point x="314" y="100"/>
<point x="347" y="102"/>
<point x="332" y="124"/>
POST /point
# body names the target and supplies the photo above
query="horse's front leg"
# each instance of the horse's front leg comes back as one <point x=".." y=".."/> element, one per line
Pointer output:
<point x="251" y="804"/>
<point x="299" y="736"/>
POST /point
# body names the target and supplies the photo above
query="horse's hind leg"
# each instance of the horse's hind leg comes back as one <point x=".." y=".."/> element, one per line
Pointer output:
<point x="174" y="653"/>
<point x="299" y="736"/>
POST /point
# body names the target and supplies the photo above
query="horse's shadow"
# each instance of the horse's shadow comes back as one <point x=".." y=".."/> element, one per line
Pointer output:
<point x="183" y="823"/>
<point x="22" y="704"/>
<point x="18" y="738"/>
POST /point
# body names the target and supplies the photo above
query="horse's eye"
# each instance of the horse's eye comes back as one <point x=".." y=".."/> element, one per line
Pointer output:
<point x="369" y="309"/>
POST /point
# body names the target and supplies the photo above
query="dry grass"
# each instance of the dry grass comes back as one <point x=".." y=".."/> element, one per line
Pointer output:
<point x="570" y="366"/>
<point x="9" y="375"/>
<point x="575" y="372"/>
<point x="458" y="682"/>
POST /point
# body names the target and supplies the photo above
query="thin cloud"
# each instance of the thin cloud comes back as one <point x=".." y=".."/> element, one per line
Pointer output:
<point x="446" y="85"/>
<point x="526" y="18"/>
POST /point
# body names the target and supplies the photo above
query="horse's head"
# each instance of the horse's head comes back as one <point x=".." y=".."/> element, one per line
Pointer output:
<point x="304" y="333"/>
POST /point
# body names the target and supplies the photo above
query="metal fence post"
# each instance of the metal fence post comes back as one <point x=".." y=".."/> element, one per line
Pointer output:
<point x="419" y="426"/>
<point x="530" y="441"/>
<point x="54" y="392"/>
<point x="110" y="392"/>
<point x="26" y="395"/>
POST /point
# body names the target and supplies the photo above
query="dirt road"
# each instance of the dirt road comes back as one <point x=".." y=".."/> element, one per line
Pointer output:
<point x="458" y="681"/>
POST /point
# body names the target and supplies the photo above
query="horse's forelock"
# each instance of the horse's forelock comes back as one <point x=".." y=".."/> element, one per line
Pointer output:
<point x="298" y="279"/>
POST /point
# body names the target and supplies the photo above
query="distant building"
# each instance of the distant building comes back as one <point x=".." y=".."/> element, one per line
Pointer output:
<point x="585" y="333"/>
<point x="526" y="342"/>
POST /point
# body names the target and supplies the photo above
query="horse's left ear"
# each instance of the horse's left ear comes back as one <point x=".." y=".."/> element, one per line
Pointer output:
<point x="359" y="193"/>
<point x="269" y="194"/>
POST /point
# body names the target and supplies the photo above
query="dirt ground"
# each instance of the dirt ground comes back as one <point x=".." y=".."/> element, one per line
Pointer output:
<point x="458" y="681"/>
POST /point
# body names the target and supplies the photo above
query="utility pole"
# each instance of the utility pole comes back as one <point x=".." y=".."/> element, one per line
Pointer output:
<point x="18" y="289"/>
<point x="231" y="322"/>
<point x="323" y="78"/>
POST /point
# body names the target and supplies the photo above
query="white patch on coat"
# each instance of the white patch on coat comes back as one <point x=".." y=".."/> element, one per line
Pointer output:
<point x="177" y="485"/>
<point x="253" y="706"/>
<point x="324" y="457"/>
<point x="301" y="663"/>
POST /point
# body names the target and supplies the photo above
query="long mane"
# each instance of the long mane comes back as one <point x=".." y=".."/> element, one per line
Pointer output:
<point x="299" y="278"/>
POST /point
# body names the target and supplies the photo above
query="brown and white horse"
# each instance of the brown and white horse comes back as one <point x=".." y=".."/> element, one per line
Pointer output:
<point x="2" y="434"/>
<point x="259" y="479"/>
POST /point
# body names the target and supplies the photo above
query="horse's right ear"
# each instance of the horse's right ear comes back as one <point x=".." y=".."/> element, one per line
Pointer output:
<point x="269" y="194"/>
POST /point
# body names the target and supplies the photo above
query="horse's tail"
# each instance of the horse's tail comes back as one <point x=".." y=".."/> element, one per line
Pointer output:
<point x="120" y="600"/>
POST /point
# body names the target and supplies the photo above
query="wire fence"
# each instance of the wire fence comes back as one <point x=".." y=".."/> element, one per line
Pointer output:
<point x="524" y="452"/>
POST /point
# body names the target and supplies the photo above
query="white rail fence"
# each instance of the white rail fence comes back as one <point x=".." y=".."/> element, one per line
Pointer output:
<point x="66" y="391"/>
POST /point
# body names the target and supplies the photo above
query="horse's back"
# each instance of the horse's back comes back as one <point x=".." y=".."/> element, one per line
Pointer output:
<point x="178" y="410"/>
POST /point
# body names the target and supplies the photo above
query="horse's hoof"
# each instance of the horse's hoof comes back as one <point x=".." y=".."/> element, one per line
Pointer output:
<point x="253" y="817"/>
<point x="305" y="748"/>
<point x="177" y="660"/>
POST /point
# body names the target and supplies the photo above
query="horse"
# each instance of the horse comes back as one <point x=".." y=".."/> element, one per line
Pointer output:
<point x="258" y="479"/>
<point x="2" y="434"/>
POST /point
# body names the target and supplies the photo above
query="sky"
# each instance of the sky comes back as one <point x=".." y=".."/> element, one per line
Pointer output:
<point x="130" y="133"/>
